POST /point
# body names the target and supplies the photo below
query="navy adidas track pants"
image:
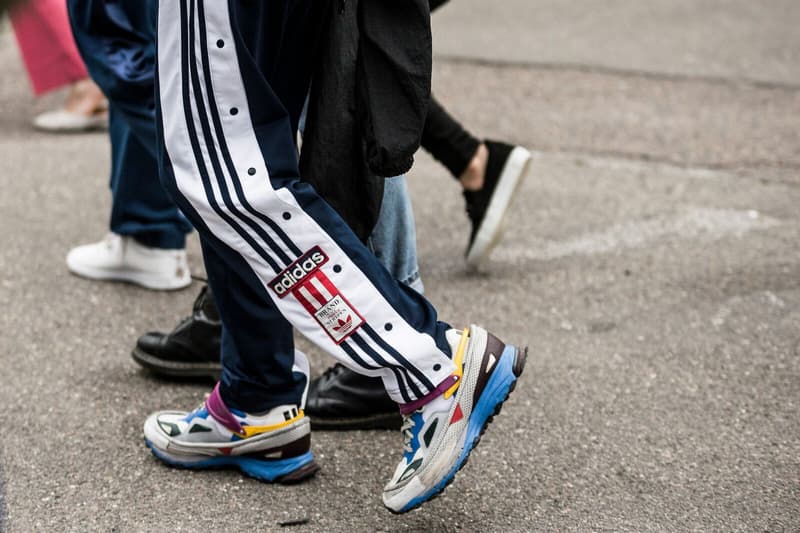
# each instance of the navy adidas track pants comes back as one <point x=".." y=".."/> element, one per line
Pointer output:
<point x="232" y="77"/>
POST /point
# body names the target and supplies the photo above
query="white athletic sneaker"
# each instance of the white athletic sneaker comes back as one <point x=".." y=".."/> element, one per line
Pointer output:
<point x="439" y="435"/>
<point x="121" y="258"/>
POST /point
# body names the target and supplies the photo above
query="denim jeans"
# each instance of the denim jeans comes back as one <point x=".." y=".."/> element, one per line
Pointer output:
<point x="394" y="239"/>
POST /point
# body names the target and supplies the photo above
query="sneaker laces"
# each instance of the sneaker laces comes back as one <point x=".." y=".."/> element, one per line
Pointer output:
<point x="407" y="430"/>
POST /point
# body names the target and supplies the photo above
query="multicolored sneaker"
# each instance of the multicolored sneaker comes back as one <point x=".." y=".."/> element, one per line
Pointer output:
<point x="439" y="435"/>
<point x="273" y="447"/>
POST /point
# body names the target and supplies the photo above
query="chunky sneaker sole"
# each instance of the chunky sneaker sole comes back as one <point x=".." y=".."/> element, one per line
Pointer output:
<point x="247" y="455"/>
<point x="176" y="369"/>
<point x="287" y="471"/>
<point x="493" y="224"/>
<point x="486" y="383"/>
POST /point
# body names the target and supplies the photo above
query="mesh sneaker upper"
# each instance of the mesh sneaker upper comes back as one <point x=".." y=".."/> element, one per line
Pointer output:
<point x="199" y="426"/>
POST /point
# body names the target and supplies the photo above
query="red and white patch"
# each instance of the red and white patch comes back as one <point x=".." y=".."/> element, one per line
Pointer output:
<point x="329" y="308"/>
<point x="305" y="280"/>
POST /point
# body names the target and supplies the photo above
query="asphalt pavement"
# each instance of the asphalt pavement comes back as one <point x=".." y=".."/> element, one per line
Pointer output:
<point x="650" y="262"/>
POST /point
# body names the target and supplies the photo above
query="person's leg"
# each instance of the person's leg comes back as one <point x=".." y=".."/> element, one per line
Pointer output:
<point x="340" y="398"/>
<point x="489" y="173"/>
<point x="231" y="165"/>
<point x="232" y="82"/>
<point x="447" y="140"/>
<point x="140" y="206"/>
<point x="148" y="232"/>
<point x="52" y="62"/>
<point x="192" y="348"/>
<point x="230" y="162"/>
<point x="46" y="44"/>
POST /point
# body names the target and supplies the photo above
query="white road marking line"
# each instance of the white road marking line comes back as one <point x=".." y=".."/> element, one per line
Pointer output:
<point x="692" y="223"/>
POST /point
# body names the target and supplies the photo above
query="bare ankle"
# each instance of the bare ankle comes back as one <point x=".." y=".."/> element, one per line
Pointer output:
<point x="85" y="98"/>
<point x="472" y="177"/>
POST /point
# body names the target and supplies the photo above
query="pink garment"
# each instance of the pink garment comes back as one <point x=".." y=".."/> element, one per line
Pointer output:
<point x="48" y="48"/>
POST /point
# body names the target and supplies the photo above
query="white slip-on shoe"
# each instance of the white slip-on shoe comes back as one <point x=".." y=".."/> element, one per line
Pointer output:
<point x="121" y="258"/>
<point x="63" y="121"/>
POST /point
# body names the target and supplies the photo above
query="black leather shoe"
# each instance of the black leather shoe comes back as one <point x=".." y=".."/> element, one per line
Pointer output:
<point x="342" y="399"/>
<point x="192" y="349"/>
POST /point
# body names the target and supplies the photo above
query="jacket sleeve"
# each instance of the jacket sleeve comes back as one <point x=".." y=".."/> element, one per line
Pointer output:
<point x="332" y="158"/>
<point x="394" y="81"/>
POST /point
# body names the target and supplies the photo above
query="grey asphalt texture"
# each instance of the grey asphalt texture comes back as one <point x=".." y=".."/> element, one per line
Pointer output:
<point x="651" y="262"/>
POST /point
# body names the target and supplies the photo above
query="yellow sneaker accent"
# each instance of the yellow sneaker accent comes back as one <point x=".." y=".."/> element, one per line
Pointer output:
<point x="249" y="431"/>
<point x="458" y="361"/>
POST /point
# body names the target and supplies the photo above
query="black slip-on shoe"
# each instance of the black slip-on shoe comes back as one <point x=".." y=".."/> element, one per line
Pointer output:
<point x="341" y="399"/>
<point x="191" y="350"/>
<point x="487" y="207"/>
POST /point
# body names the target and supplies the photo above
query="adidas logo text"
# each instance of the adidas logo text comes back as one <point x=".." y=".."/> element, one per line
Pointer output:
<point x="298" y="271"/>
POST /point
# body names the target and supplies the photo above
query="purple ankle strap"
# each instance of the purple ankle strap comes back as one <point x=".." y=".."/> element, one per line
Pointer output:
<point x="408" y="408"/>
<point x="217" y="408"/>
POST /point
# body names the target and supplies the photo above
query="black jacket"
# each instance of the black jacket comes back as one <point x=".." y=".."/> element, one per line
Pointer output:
<point x="368" y="102"/>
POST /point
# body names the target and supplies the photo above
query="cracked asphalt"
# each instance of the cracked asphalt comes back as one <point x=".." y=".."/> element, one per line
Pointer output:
<point x="651" y="262"/>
